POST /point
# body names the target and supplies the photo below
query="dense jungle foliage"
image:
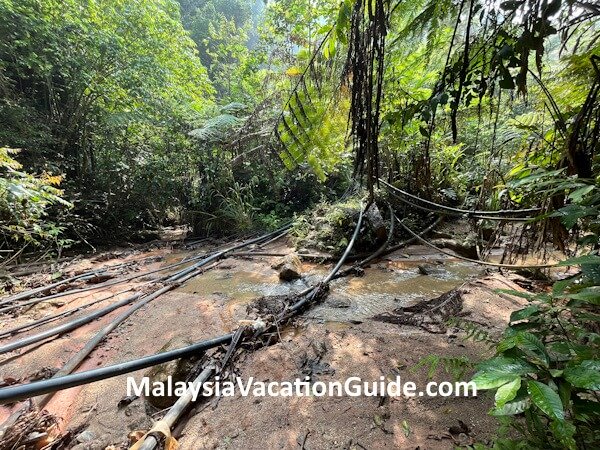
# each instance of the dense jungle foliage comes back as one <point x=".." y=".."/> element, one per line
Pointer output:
<point x="119" y="117"/>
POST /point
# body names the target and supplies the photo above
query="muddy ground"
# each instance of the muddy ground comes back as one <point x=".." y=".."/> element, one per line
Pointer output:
<point x="332" y="341"/>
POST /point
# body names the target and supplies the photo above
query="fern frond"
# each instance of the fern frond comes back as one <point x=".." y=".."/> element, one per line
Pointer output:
<point x="455" y="366"/>
<point x="217" y="128"/>
<point x="233" y="108"/>
<point x="473" y="331"/>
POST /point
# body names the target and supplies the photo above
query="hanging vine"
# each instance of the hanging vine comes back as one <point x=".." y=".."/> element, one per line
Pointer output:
<point x="364" y="72"/>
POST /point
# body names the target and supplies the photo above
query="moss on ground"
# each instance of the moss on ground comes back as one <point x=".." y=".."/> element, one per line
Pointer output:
<point x="329" y="227"/>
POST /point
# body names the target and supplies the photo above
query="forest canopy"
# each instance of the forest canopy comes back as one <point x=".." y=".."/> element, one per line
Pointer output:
<point x="233" y="115"/>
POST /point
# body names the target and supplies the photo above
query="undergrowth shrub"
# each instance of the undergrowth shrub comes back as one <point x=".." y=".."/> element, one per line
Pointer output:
<point x="546" y="370"/>
<point x="24" y="203"/>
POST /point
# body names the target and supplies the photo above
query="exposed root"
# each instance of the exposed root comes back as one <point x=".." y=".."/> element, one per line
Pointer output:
<point x="269" y="305"/>
<point x="30" y="429"/>
<point x="430" y="315"/>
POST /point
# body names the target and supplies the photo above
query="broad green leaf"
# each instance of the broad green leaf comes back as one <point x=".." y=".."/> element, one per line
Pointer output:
<point x="506" y="365"/>
<point x="564" y="431"/>
<point x="507" y="392"/>
<point x="491" y="380"/>
<point x="570" y="214"/>
<point x="506" y="344"/>
<point x="559" y="287"/>
<point x="560" y="347"/>
<point x="524" y="313"/>
<point x="591" y="272"/>
<point x="586" y="375"/>
<point x="546" y="399"/>
<point x="585" y="259"/>
<point x="532" y="345"/>
<point x="585" y="410"/>
<point x="516" y="406"/>
<point x="578" y="194"/>
<point x="587" y="295"/>
<point x="500" y="370"/>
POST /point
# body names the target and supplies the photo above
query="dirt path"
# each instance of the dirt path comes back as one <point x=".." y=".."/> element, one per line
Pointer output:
<point x="342" y="328"/>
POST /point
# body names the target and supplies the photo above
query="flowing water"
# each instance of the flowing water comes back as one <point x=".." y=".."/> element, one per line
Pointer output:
<point x="383" y="287"/>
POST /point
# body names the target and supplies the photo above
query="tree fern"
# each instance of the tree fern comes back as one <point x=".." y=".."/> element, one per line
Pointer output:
<point x="221" y="128"/>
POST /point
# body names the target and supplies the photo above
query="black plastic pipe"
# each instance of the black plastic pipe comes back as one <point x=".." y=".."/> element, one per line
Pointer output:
<point x="223" y="253"/>
<point x="28" y="294"/>
<point x="61" y="329"/>
<point x="461" y="212"/>
<point x="100" y="285"/>
<point x="311" y="292"/>
<point x="15" y="393"/>
<point x="101" y="312"/>
<point x="46" y="319"/>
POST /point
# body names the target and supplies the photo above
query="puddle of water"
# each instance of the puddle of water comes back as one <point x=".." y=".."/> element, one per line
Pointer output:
<point x="240" y="286"/>
<point x="337" y="326"/>
<point x="381" y="290"/>
<point x="383" y="287"/>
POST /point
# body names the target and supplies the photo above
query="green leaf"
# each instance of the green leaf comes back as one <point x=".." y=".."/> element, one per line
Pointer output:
<point x="585" y="410"/>
<point x="506" y="365"/>
<point x="587" y="295"/>
<point x="533" y="346"/>
<point x="506" y="344"/>
<point x="564" y="431"/>
<point x="591" y="273"/>
<point x="546" y="399"/>
<point x="578" y="194"/>
<point x="524" y="313"/>
<point x="570" y="214"/>
<point x="584" y="259"/>
<point x="500" y="370"/>
<point x="585" y="376"/>
<point x="406" y="428"/>
<point x="517" y="406"/>
<point x="507" y="392"/>
<point x="491" y="380"/>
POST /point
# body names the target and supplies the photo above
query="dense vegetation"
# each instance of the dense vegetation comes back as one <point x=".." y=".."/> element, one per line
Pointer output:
<point x="119" y="117"/>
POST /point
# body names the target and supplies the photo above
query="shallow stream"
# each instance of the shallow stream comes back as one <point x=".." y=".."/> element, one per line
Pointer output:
<point x="383" y="287"/>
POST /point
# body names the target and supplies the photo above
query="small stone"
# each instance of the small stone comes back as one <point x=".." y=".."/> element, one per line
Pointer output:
<point x="290" y="269"/>
<point x="85" y="436"/>
<point x="288" y="273"/>
<point x="424" y="270"/>
<point x="177" y="370"/>
<point x="338" y="303"/>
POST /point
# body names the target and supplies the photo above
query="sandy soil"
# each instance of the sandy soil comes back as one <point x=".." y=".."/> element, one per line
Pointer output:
<point x="213" y="303"/>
